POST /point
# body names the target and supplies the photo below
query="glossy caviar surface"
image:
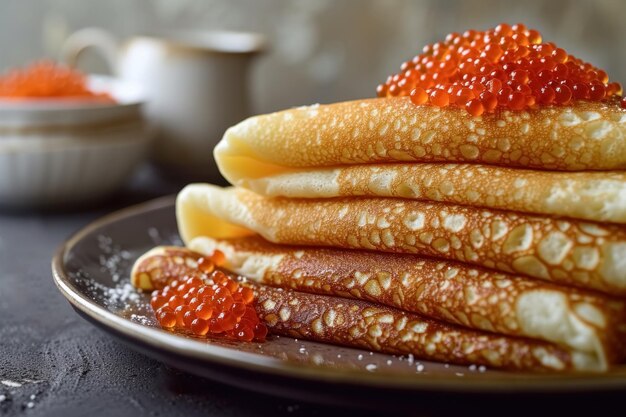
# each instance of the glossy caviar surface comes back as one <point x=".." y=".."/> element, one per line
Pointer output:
<point x="47" y="80"/>
<point x="209" y="302"/>
<point x="508" y="67"/>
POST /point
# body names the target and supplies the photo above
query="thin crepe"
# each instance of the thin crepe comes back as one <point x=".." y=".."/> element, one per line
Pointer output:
<point x="382" y="329"/>
<point x="324" y="151"/>
<point x="375" y="327"/>
<point x="596" y="196"/>
<point x="587" y="255"/>
<point x="584" y="136"/>
<point x="446" y="291"/>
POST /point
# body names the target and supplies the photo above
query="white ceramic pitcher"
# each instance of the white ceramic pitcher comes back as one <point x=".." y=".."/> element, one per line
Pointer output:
<point x="196" y="84"/>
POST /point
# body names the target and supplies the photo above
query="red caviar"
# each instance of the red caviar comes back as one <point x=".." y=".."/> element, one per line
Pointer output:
<point x="508" y="67"/>
<point x="209" y="302"/>
<point x="46" y="80"/>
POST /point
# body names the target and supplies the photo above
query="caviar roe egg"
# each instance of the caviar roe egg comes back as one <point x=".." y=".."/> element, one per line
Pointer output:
<point x="507" y="67"/>
<point x="216" y="304"/>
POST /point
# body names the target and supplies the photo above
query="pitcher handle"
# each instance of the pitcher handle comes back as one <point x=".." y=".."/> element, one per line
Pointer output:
<point x="99" y="39"/>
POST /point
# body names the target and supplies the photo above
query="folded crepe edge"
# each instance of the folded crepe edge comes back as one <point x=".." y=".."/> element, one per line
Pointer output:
<point x="580" y="137"/>
<point x="273" y="302"/>
<point x="543" y="314"/>
<point x="595" y="196"/>
<point x="208" y="210"/>
<point x="233" y="152"/>
<point x="196" y="205"/>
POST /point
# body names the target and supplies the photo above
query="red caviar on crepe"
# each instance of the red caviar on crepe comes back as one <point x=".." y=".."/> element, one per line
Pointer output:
<point x="48" y="80"/>
<point x="508" y="67"/>
<point x="198" y="298"/>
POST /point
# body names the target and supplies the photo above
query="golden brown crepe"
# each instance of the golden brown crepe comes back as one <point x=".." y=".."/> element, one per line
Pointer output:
<point x="446" y="291"/>
<point x="583" y="136"/>
<point x="378" y="328"/>
<point x="389" y="330"/>
<point x="338" y="150"/>
<point x="597" y="196"/>
<point x="587" y="255"/>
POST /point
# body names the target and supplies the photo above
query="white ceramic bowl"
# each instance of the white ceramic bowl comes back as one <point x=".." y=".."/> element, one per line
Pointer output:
<point x="56" y="153"/>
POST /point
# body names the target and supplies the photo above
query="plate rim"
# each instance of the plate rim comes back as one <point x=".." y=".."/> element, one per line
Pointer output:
<point x="522" y="383"/>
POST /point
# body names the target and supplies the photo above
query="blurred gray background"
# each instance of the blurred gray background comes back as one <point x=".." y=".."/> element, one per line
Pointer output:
<point x="321" y="50"/>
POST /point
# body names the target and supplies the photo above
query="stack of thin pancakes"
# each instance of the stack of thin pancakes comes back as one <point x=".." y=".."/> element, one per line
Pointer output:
<point x="497" y="240"/>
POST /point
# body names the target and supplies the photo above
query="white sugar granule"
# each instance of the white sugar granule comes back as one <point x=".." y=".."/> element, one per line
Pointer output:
<point x="122" y="294"/>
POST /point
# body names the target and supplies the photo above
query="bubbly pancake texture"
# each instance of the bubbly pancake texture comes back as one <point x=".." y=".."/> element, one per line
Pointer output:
<point x="596" y="196"/>
<point x="583" y="136"/>
<point x="384" y="329"/>
<point x="447" y="291"/>
<point x="587" y="255"/>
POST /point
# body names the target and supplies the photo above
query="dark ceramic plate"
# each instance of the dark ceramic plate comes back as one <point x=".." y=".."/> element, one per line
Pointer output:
<point x="92" y="270"/>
